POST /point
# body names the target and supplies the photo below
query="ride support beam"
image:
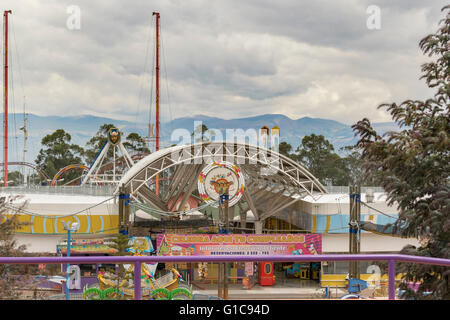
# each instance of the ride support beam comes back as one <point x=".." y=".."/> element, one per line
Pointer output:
<point x="186" y="180"/>
<point x="250" y="203"/>
<point x="190" y="187"/>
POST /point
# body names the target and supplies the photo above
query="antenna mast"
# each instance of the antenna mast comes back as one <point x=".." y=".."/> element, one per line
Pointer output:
<point x="25" y="138"/>
<point x="157" y="95"/>
<point x="5" y="119"/>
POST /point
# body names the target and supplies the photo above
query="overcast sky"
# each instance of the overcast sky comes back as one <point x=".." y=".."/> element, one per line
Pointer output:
<point x="219" y="58"/>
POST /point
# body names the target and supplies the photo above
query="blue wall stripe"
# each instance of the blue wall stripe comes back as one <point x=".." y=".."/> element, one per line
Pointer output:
<point x="45" y="226"/>
<point x="103" y="224"/>
<point x="88" y="224"/>
<point x="31" y="224"/>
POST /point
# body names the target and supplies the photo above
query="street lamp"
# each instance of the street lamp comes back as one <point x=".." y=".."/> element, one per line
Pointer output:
<point x="70" y="228"/>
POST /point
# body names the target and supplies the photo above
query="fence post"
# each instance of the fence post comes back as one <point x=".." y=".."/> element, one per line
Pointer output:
<point x="391" y="277"/>
<point x="137" y="281"/>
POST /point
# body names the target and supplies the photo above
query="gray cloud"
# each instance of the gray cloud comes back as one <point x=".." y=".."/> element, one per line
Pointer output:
<point x="221" y="58"/>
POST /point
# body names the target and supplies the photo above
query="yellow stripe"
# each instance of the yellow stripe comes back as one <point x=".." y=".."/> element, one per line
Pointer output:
<point x="327" y="228"/>
<point x="38" y="225"/>
<point x="110" y="224"/>
<point x="314" y="227"/>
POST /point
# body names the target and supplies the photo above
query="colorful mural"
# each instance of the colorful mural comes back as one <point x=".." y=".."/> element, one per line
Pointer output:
<point x="102" y="224"/>
<point x="86" y="246"/>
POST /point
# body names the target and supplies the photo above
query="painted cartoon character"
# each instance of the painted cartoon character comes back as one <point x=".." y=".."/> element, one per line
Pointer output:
<point x="312" y="249"/>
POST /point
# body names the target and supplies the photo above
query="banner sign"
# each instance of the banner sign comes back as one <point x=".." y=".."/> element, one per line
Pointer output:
<point x="87" y="246"/>
<point x="238" y="244"/>
<point x="140" y="245"/>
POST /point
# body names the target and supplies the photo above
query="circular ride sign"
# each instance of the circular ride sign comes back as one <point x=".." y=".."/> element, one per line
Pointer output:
<point x="216" y="178"/>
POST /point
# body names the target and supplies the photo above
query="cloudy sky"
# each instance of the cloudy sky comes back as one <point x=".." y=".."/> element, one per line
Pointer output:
<point x="219" y="58"/>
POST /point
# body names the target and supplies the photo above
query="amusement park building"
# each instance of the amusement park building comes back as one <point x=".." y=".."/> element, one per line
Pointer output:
<point x="326" y="214"/>
<point x="279" y="196"/>
<point x="44" y="214"/>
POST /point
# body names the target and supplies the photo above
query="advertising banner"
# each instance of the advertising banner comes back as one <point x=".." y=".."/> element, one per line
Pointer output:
<point x="87" y="246"/>
<point x="238" y="244"/>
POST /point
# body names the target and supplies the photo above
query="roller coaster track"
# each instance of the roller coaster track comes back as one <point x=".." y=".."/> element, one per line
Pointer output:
<point x="30" y="165"/>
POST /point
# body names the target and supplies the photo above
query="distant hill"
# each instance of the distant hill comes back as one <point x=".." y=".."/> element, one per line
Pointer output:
<point x="82" y="128"/>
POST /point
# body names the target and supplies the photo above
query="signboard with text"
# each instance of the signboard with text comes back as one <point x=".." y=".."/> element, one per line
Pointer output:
<point x="238" y="244"/>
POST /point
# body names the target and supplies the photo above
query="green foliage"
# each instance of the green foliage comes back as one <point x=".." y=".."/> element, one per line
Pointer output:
<point x="135" y="143"/>
<point x="201" y="133"/>
<point x="58" y="152"/>
<point x="317" y="155"/>
<point x="175" y="294"/>
<point x="285" y="148"/>
<point x="414" y="166"/>
<point x="9" y="280"/>
<point x="96" y="143"/>
<point x="121" y="244"/>
<point x="15" y="178"/>
<point x="98" y="294"/>
<point x="353" y="161"/>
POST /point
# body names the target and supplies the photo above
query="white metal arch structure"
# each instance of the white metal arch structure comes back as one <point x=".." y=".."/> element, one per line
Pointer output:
<point x="273" y="181"/>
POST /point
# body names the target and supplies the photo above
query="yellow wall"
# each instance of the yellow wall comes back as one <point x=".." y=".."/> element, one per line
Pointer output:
<point x="101" y="224"/>
<point x="338" y="280"/>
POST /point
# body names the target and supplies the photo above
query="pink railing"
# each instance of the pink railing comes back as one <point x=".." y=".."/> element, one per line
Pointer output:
<point x="137" y="260"/>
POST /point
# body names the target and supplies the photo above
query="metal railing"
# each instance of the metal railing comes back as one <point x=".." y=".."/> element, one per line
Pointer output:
<point x="346" y="190"/>
<point x="91" y="190"/>
<point x="108" y="190"/>
<point x="137" y="260"/>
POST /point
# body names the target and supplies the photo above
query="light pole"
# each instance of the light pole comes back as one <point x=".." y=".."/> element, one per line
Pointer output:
<point x="74" y="228"/>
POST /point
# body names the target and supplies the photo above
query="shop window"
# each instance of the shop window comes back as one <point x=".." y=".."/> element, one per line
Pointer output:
<point x="88" y="270"/>
<point x="111" y="268"/>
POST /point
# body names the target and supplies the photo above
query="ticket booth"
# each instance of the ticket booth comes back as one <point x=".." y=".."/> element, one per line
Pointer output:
<point x="265" y="274"/>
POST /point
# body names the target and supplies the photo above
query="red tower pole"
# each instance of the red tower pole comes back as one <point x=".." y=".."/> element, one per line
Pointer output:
<point x="157" y="96"/>
<point x="157" y="80"/>
<point x="5" y="118"/>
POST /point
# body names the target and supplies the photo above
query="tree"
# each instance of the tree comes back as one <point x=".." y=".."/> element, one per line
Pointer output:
<point x="58" y="152"/>
<point x="353" y="161"/>
<point x="15" y="178"/>
<point x="285" y="148"/>
<point x="135" y="143"/>
<point x="96" y="143"/>
<point x="12" y="277"/>
<point x="121" y="245"/>
<point x="317" y="155"/>
<point x="415" y="166"/>
<point x="201" y="133"/>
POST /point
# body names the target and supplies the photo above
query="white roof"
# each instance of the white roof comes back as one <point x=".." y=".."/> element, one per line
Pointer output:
<point x="250" y="216"/>
<point x="141" y="164"/>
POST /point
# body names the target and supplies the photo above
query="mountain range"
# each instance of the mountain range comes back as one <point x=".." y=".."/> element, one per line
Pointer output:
<point x="82" y="128"/>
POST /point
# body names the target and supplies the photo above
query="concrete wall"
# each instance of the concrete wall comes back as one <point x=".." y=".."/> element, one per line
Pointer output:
<point x="370" y="242"/>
